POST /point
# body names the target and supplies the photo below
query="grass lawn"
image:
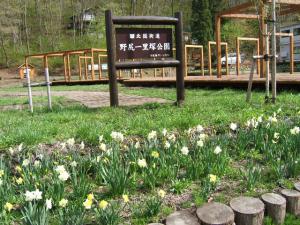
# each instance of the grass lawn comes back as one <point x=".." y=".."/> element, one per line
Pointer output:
<point x="65" y="172"/>
<point x="215" y="108"/>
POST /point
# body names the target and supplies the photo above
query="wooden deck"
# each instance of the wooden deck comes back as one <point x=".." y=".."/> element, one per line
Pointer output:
<point x="82" y="82"/>
<point x="284" y="81"/>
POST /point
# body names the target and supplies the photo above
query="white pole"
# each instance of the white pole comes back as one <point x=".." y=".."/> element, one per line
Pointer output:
<point x="48" y="87"/>
<point x="29" y="89"/>
<point x="267" y="65"/>
<point x="274" y="50"/>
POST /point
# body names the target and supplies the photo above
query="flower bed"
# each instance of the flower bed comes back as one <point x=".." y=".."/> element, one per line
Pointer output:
<point x="127" y="179"/>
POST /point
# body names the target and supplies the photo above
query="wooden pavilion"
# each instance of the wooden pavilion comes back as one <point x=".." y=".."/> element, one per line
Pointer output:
<point x="250" y="10"/>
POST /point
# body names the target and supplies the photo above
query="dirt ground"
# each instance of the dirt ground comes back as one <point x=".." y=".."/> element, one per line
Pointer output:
<point x="8" y="78"/>
<point x="90" y="99"/>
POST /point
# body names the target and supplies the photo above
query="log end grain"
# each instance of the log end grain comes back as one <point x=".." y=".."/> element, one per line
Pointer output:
<point x="215" y="213"/>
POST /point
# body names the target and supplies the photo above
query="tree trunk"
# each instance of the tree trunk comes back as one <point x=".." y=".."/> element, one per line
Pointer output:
<point x="4" y="50"/>
<point x="26" y="27"/>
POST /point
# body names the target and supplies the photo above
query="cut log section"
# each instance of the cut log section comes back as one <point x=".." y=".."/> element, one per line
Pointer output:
<point x="248" y="210"/>
<point x="293" y="201"/>
<point x="215" y="213"/>
<point x="297" y="186"/>
<point x="183" y="217"/>
<point x="275" y="207"/>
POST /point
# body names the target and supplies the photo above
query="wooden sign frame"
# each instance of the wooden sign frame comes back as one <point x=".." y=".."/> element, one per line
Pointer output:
<point x="238" y="52"/>
<point x="201" y="61"/>
<point x="114" y="65"/>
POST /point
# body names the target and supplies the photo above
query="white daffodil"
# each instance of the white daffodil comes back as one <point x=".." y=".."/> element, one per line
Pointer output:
<point x="82" y="146"/>
<point x="276" y="135"/>
<point x="25" y="162"/>
<point x="167" y="145"/>
<point x="185" y="150"/>
<point x="60" y="169"/>
<point x="217" y="150"/>
<point x="73" y="164"/>
<point x="137" y="145"/>
<point x="102" y="147"/>
<point x="202" y="137"/>
<point x="164" y="132"/>
<point x="33" y="195"/>
<point x="20" y="147"/>
<point x="200" y="143"/>
<point x="142" y="163"/>
<point x="117" y="136"/>
<point x="63" y="203"/>
<point x="199" y="129"/>
<point x="48" y="204"/>
<point x="11" y="151"/>
<point x="152" y="136"/>
<point x="295" y="131"/>
<point x="71" y="142"/>
<point x="233" y="126"/>
<point x="172" y="138"/>
<point x="64" y="176"/>
<point x="37" y="163"/>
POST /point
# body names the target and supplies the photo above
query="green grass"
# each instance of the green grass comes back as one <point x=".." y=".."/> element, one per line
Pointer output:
<point x="20" y="100"/>
<point x="207" y="107"/>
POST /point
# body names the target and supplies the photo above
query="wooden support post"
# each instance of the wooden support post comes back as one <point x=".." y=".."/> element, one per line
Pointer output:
<point x="120" y="71"/>
<point x="293" y="201"/>
<point x="262" y="38"/>
<point x="111" y="59"/>
<point x="92" y="65"/>
<point x="47" y="79"/>
<point x="155" y="70"/>
<point x="29" y="86"/>
<point x="237" y="56"/>
<point x="79" y="68"/>
<point x="133" y="72"/>
<point x="226" y="55"/>
<point x="85" y="67"/>
<point x="258" y="61"/>
<point x="219" y="51"/>
<point x="186" y="60"/>
<point x="180" y="70"/>
<point x="65" y="68"/>
<point x="69" y="67"/>
<point x="275" y="207"/>
<point x="297" y="186"/>
<point x="292" y="63"/>
<point x="202" y="61"/>
<point x="209" y="59"/>
<point x="248" y="210"/>
<point x="99" y="67"/>
<point x="250" y="82"/>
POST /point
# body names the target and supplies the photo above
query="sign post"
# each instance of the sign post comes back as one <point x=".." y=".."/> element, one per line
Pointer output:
<point x="154" y="45"/>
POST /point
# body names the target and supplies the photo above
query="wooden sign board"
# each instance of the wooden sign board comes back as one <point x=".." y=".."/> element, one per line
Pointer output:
<point x="144" y="43"/>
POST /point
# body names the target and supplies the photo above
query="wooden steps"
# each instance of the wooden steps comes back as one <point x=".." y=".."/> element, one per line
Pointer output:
<point x="242" y="210"/>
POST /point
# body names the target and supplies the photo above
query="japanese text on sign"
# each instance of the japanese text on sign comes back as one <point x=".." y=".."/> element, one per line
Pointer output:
<point x="142" y="43"/>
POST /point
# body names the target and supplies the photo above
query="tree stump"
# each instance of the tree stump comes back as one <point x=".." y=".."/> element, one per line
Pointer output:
<point x="215" y="213"/>
<point x="275" y="207"/>
<point x="297" y="186"/>
<point x="293" y="201"/>
<point x="183" y="217"/>
<point x="248" y="211"/>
